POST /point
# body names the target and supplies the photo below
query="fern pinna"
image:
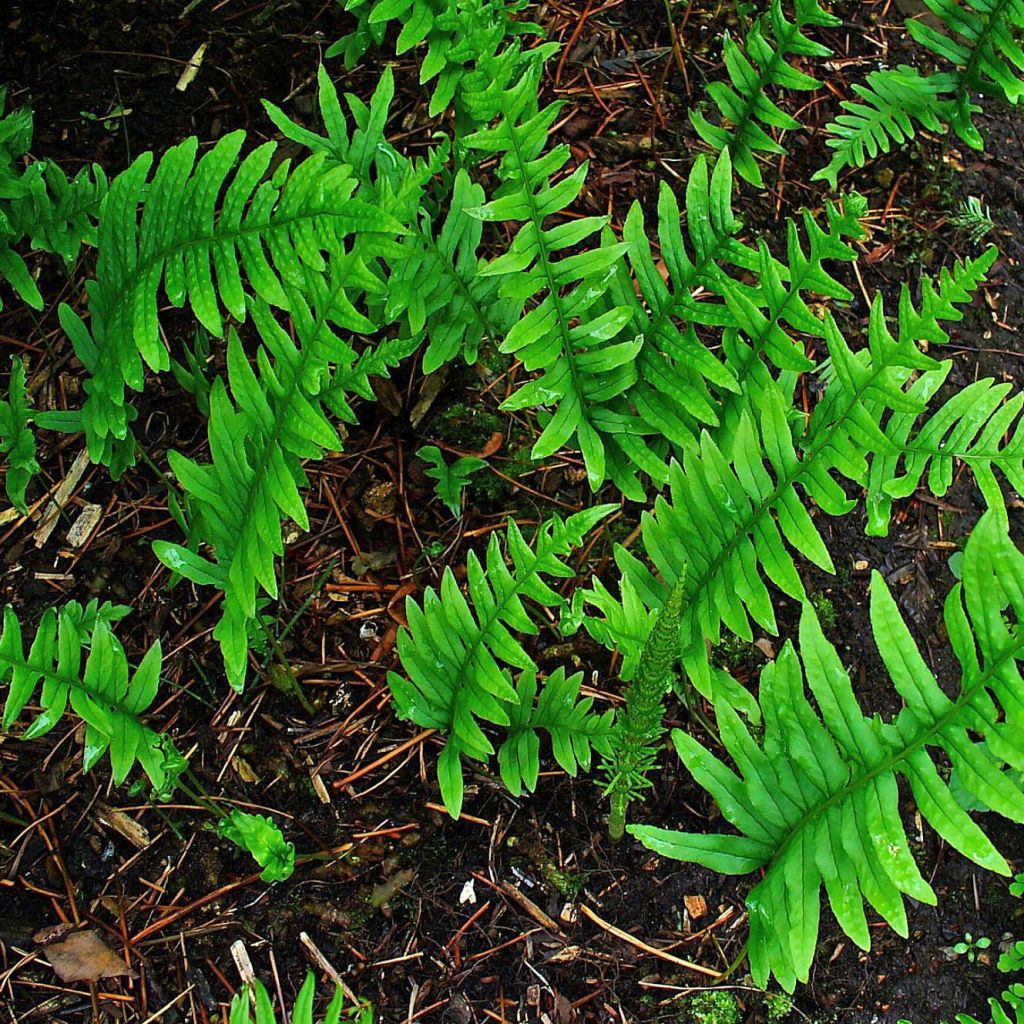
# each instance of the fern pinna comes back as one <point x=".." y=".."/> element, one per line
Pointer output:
<point x="206" y="231"/>
<point x="108" y="699"/>
<point x="734" y="509"/>
<point x="815" y="800"/>
<point x="745" y="104"/>
<point x="459" y="651"/>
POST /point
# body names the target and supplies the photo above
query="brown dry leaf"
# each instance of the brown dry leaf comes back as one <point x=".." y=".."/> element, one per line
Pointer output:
<point x="84" y="956"/>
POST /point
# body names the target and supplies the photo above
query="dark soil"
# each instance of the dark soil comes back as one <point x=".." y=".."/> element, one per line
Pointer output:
<point x="387" y="907"/>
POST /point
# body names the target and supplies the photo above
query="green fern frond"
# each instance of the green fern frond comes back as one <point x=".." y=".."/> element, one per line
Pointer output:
<point x="574" y="728"/>
<point x="893" y="99"/>
<point x="433" y="280"/>
<point x="458" y="649"/>
<point x="302" y="1011"/>
<point x="816" y="800"/>
<point x="259" y="436"/>
<point x="584" y="361"/>
<point x="975" y="427"/>
<point x="681" y="384"/>
<point x="762" y="63"/>
<point x="738" y="504"/>
<point x="17" y="442"/>
<point x="451" y="478"/>
<point x="100" y="692"/>
<point x="199" y="230"/>
<point x="982" y="38"/>
<point x="40" y="203"/>
<point x="458" y="35"/>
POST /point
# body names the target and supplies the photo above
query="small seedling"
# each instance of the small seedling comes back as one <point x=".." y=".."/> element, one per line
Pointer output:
<point x="971" y="946"/>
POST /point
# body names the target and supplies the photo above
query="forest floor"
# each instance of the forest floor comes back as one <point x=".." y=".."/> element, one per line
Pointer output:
<point x="522" y="910"/>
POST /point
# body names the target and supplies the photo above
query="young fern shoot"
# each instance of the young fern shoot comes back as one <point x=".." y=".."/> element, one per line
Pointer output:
<point x="635" y="740"/>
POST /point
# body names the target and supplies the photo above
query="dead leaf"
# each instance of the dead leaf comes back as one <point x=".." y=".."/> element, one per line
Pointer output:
<point x="84" y="956"/>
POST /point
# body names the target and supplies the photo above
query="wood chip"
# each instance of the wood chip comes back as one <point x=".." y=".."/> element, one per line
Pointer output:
<point x="124" y="825"/>
<point x="696" y="905"/>
<point x="82" y="527"/>
<point x="60" y="498"/>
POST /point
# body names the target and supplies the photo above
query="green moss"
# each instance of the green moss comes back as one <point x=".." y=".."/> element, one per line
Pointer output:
<point x="569" y="883"/>
<point x="467" y="425"/>
<point x="825" y="608"/>
<point x="778" y="1007"/>
<point x="714" y="1006"/>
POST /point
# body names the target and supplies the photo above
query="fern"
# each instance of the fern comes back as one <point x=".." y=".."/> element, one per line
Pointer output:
<point x="975" y="427"/>
<point x="17" y="442"/>
<point x="458" y="649"/>
<point x="982" y="39"/>
<point x="584" y="361"/>
<point x="433" y="281"/>
<point x="100" y="692"/>
<point x="764" y="62"/>
<point x="893" y="99"/>
<point x="458" y="35"/>
<point x="734" y="510"/>
<point x="450" y="479"/>
<point x="816" y="801"/>
<point x="40" y="203"/>
<point x="638" y="726"/>
<point x="200" y="228"/>
<point x="681" y="385"/>
<point x="259" y="435"/>
<point x="302" y="1011"/>
<point x="574" y="728"/>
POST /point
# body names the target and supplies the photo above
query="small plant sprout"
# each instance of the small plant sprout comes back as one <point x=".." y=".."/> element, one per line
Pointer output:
<point x="972" y="947"/>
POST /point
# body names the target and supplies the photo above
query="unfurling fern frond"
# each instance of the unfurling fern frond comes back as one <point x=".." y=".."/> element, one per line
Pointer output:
<point x="983" y="39"/>
<point x="259" y="436"/>
<point x="460" y="649"/>
<point x="17" y="442"/>
<point x="584" y="360"/>
<point x="100" y="691"/>
<point x="816" y="802"/>
<point x="736" y="506"/>
<point x="762" y="63"/>
<point x="201" y="231"/>
<point x="574" y="728"/>
<point x="302" y="1012"/>
<point x="892" y="100"/>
